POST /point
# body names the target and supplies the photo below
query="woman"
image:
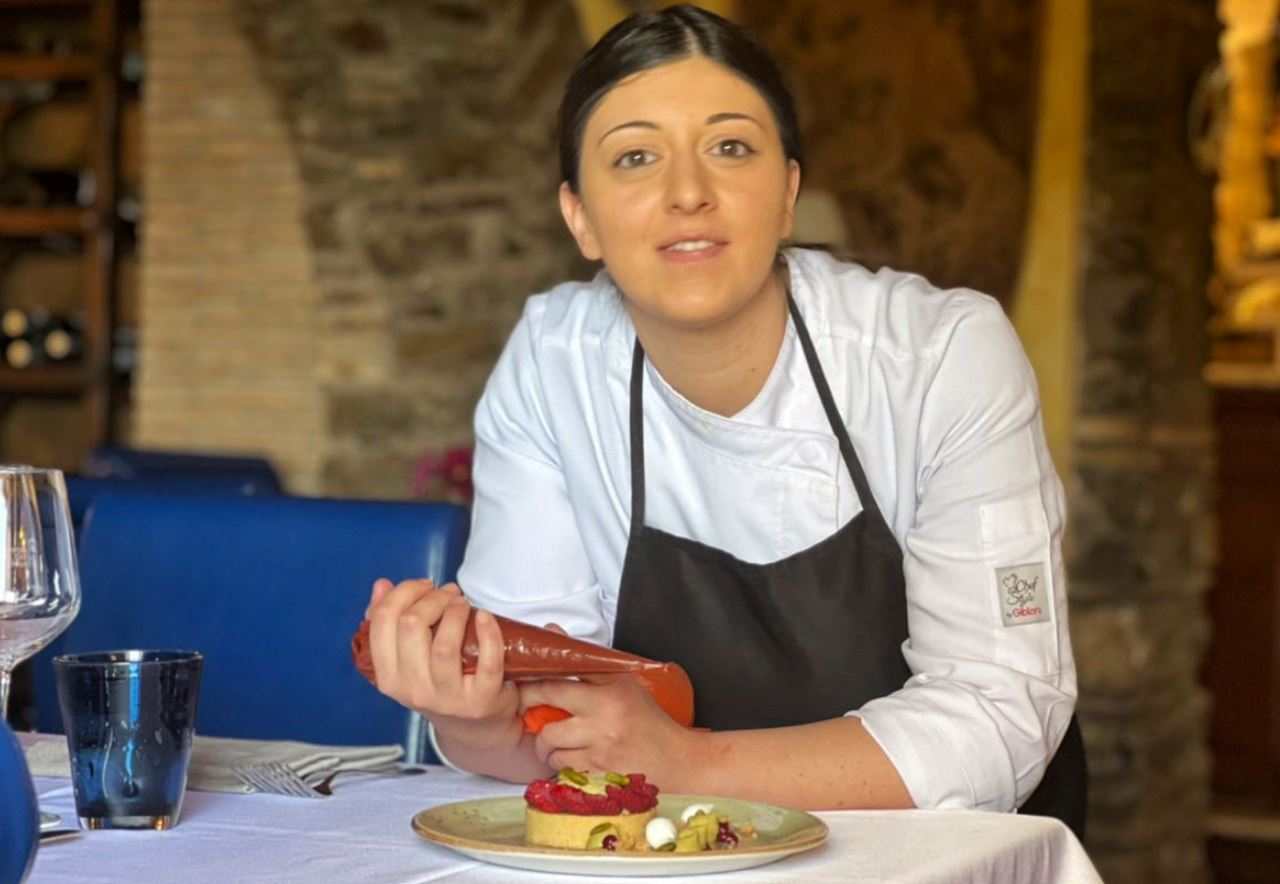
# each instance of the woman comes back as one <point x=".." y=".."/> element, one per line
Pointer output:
<point x="823" y="491"/>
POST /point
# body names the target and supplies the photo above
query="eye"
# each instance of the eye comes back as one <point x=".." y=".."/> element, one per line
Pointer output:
<point x="633" y="159"/>
<point x="733" y="147"/>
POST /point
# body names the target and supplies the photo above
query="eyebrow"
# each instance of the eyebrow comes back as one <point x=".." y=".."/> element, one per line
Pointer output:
<point x="727" y="116"/>
<point x="723" y="117"/>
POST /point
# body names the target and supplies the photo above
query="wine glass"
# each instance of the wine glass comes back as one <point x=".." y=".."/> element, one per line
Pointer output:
<point x="40" y="589"/>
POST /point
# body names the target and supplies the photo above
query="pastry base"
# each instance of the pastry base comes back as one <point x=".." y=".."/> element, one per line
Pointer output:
<point x="571" y="831"/>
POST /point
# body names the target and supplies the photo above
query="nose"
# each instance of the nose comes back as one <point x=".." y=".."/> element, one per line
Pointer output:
<point x="688" y="189"/>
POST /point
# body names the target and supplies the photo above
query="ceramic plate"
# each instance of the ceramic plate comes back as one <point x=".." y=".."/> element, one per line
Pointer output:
<point x="492" y="830"/>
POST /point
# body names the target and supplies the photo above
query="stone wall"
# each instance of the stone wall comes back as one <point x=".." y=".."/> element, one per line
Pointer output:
<point x="918" y="118"/>
<point x="1142" y="546"/>
<point x="423" y="133"/>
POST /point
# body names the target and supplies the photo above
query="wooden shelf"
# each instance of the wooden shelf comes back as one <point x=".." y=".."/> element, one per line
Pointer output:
<point x="1244" y="823"/>
<point x="21" y="221"/>
<point x="1222" y="325"/>
<point x="42" y="4"/>
<point x="1242" y="376"/>
<point x="18" y="66"/>
<point x="56" y="379"/>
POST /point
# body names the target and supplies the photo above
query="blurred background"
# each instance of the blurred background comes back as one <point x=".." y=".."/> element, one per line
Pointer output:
<point x="302" y="229"/>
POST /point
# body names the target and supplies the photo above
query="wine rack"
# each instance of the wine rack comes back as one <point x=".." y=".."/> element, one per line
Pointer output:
<point x="95" y="225"/>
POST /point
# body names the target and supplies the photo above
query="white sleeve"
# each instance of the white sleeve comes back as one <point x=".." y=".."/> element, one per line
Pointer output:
<point x="525" y="559"/>
<point x="994" y="682"/>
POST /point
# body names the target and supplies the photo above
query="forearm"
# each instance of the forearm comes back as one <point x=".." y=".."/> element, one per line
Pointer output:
<point x="828" y="765"/>
<point x="513" y="759"/>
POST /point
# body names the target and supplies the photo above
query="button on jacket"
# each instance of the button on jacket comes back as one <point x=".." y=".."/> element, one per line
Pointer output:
<point x="941" y="406"/>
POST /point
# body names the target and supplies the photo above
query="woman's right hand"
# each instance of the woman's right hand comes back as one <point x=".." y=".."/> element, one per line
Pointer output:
<point x="424" y="671"/>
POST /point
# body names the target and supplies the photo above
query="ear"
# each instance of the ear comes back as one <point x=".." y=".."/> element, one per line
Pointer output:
<point x="793" y="193"/>
<point x="575" y="218"/>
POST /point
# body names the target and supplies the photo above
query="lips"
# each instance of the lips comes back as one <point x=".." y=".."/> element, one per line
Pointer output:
<point x="692" y="242"/>
<point x="692" y="248"/>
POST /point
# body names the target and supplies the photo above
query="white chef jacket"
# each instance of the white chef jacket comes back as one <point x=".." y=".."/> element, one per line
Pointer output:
<point x="941" y="405"/>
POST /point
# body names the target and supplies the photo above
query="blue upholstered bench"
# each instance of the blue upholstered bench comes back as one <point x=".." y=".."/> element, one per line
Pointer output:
<point x="270" y="589"/>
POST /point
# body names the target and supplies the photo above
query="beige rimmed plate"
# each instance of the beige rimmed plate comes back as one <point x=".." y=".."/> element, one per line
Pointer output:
<point x="492" y="830"/>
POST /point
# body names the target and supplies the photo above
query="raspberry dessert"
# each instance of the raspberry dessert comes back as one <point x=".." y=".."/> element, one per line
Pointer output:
<point x="589" y="811"/>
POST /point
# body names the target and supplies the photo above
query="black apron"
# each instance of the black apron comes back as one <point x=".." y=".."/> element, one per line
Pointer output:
<point x="799" y="640"/>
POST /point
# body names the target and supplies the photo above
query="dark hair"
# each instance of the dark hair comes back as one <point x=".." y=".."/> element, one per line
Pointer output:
<point x="650" y="39"/>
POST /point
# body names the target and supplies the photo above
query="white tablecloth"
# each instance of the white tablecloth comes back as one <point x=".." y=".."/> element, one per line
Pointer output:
<point x="362" y="834"/>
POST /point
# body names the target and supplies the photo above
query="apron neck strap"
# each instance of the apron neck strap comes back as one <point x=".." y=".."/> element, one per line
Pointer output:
<point x="637" y="439"/>
<point x="838" y="429"/>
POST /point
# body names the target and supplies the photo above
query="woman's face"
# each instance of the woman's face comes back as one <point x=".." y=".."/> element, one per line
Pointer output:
<point x="684" y="192"/>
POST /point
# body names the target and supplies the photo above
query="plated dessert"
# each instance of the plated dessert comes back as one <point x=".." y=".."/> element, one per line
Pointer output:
<point x="582" y="810"/>
<point x="682" y="835"/>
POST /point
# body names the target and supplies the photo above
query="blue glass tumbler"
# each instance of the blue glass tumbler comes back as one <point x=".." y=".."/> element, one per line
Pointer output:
<point x="129" y="717"/>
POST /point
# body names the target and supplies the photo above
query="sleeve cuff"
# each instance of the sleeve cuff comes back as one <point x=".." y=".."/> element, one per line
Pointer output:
<point x="435" y="747"/>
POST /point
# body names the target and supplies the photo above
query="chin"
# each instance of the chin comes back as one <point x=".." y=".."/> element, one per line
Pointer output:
<point x="693" y="306"/>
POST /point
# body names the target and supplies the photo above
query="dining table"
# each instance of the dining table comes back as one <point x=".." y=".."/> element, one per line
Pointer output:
<point x="363" y="832"/>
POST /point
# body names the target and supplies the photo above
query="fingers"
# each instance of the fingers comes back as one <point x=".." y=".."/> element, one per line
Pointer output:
<point x="446" y="646"/>
<point x="559" y="736"/>
<point x="384" y="626"/>
<point x="571" y="696"/>
<point x="419" y="683"/>
<point x="417" y="634"/>
<point x="556" y="628"/>
<point x="381" y="587"/>
<point x="488" y="676"/>
<point x="578" y="759"/>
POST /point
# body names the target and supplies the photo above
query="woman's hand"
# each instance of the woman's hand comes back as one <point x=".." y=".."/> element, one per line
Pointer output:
<point x="616" y="725"/>
<point x="424" y="671"/>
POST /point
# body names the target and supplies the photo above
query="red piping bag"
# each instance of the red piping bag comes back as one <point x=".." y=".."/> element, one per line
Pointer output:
<point x="532" y="653"/>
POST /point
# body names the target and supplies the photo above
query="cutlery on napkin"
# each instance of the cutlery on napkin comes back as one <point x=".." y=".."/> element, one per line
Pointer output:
<point x="214" y="760"/>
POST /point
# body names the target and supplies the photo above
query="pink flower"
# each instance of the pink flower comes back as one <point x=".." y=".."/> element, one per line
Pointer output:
<point x="445" y="475"/>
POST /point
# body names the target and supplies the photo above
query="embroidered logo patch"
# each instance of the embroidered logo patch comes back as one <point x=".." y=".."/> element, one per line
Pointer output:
<point x="1023" y="592"/>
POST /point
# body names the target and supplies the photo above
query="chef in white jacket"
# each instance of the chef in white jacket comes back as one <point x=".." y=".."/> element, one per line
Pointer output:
<point x="824" y="491"/>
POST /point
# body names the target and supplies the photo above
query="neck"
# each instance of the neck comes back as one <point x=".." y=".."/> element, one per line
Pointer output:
<point x="721" y="368"/>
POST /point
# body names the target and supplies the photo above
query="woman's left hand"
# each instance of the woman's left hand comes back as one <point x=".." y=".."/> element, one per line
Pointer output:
<point x="616" y="725"/>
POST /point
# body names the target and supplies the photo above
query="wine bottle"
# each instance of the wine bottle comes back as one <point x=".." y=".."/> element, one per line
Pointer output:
<point x="124" y="350"/>
<point x="19" y="353"/>
<point x="34" y="337"/>
<point x="61" y="340"/>
<point x="14" y="322"/>
<point x="19" y="321"/>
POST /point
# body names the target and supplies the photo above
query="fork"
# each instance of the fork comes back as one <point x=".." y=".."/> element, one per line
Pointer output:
<point x="279" y="778"/>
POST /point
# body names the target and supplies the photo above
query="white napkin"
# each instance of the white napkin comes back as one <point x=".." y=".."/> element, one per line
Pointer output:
<point x="213" y="759"/>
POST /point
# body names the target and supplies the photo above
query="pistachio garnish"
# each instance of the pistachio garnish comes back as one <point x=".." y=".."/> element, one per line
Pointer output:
<point x="573" y="776"/>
